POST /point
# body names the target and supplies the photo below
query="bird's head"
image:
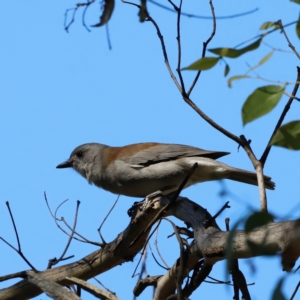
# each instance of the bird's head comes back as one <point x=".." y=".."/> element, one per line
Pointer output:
<point x="83" y="158"/>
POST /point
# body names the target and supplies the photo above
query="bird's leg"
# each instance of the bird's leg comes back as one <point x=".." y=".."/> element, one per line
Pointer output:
<point x="150" y="197"/>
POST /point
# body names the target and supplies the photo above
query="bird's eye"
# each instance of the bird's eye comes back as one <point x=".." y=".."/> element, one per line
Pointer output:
<point x="79" y="154"/>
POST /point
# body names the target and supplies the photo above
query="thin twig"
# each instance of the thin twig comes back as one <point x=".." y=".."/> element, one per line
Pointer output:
<point x="279" y="22"/>
<point x="295" y="291"/>
<point x="205" y="44"/>
<point x="178" y="10"/>
<point x="67" y="26"/>
<point x="219" y="281"/>
<point x="146" y="243"/>
<point x="99" y="229"/>
<point x="14" y="224"/>
<point x="74" y="9"/>
<point x="262" y="35"/>
<point x="291" y="96"/>
<point x="155" y="259"/>
<point x="19" y="251"/>
<point x="89" y="2"/>
<point x="161" y="38"/>
<point x="55" y="261"/>
<point x="106" y="288"/>
<point x="204" y="17"/>
<point x="84" y="240"/>
<point x="108" y="36"/>
<point x="143" y="269"/>
<point x="182" y="262"/>
<point x="283" y="114"/>
<point x="157" y="249"/>
<point x="221" y="210"/>
<point x="213" y="123"/>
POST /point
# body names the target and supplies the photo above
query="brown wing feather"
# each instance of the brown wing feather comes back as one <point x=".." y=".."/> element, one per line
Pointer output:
<point x="146" y="154"/>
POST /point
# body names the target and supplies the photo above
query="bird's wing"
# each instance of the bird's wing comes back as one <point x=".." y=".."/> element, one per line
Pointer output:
<point x="156" y="153"/>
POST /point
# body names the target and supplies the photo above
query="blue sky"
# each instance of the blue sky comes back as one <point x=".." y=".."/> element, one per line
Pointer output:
<point x="59" y="90"/>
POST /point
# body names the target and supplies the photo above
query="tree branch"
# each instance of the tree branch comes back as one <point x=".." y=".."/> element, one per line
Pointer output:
<point x="210" y="243"/>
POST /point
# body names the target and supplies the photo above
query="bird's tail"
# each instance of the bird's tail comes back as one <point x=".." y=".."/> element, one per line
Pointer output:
<point x="249" y="177"/>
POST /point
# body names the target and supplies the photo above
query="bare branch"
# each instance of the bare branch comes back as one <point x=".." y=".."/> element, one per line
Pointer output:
<point x="94" y="290"/>
<point x="51" y="288"/>
<point x="210" y="242"/>
<point x="143" y="283"/>
<point x="74" y="9"/>
<point x="99" y="229"/>
<point x="19" y="250"/>
<point x="221" y="210"/>
<point x="55" y="261"/>
<point x="21" y="274"/>
<point x="157" y="249"/>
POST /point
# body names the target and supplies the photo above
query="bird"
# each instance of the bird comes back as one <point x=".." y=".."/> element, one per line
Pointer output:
<point x="138" y="170"/>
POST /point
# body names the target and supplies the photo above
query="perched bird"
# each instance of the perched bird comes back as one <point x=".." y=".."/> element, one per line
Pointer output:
<point x="141" y="169"/>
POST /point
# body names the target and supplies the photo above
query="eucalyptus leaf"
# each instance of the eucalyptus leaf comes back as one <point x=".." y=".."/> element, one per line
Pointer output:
<point x="204" y="63"/>
<point x="234" y="53"/>
<point x="288" y="136"/>
<point x="227" y="69"/>
<point x="268" y="25"/>
<point x="237" y="77"/>
<point x="261" y="102"/>
<point x="257" y="219"/>
<point x="266" y="58"/>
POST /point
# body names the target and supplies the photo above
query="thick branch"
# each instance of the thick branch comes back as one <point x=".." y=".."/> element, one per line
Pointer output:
<point x="210" y="243"/>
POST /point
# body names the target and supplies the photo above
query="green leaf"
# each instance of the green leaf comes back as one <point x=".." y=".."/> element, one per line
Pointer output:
<point x="234" y="53"/>
<point x="277" y="294"/>
<point x="266" y="58"/>
<point x="288" y="136"/>
<point x="227" y="69"/>
<point x="268" y="25"/>
<point x="298" y="27"/>
<point x="261" y="102"/>
<point x="204" y="63"/>
<point x="257" y="219"/>
<point x="237" y="77"/>
<point x="296" y="1"/>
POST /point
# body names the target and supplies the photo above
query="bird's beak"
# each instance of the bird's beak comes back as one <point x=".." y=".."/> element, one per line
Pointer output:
<point x="66" y="164"/>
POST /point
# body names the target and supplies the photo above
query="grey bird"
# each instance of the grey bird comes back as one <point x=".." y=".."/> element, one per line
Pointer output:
<point x="141" y="169"/>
